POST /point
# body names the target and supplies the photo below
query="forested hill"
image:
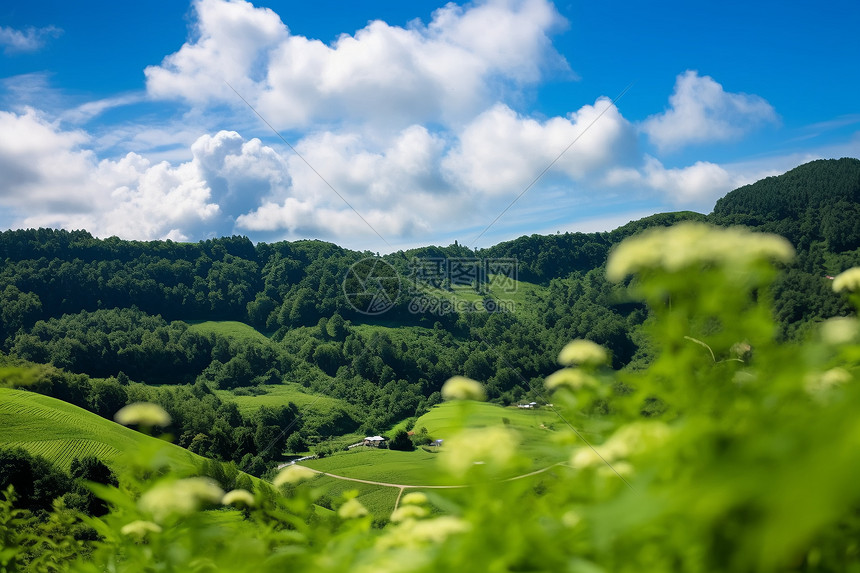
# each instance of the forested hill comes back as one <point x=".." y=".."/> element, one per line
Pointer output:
<point x="818" y="201"/>
<point x="542" y="258"/>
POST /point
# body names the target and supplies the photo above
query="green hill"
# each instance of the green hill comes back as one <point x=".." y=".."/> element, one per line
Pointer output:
<point x="816" y="201"/>
<point x="60" y="432"/>
<point x="534" y="426"/>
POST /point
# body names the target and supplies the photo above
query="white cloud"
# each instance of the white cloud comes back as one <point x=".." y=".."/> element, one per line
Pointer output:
<point x="441" y="72"/>
<point x="396" y="188"/>
<point x="87" y="111"/>
<point x="500" y="152"/>
<point x="28" y="40"/>
<point x="700" y="183"/>
<point x="50" y="179"/>
<point x="696" y="186"/>
<point x="701" y="111"/>
<point x="41" y="164"/>
<point x="159" y="201"/>
<point x="232" y="43"/>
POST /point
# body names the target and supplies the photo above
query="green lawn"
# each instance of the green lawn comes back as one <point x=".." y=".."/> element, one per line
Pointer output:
<point x="60" y="432"/>
<point x="534" y="427"/>
<point x="441" y="420"/>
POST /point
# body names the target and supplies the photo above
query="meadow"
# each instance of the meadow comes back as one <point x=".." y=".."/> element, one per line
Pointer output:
<point x="230" y="328"/>
<point x="282" y="394"/>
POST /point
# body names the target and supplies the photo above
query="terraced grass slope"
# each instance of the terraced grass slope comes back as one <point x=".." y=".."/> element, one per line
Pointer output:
<point x="60" y="432"/>
<point x="388" y="466"/>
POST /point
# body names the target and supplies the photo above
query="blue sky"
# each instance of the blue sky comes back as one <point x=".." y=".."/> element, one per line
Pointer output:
<point x="428" y="119"/>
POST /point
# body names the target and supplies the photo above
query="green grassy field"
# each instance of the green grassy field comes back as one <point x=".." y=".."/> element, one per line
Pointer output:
<point x="229" y="328"/>
<point x="441" y="420"/>
<point x="60" y="432"/>
<point x="281" y="395"/>
<point x="534" y="427"/>
<point x="389" y="466"/>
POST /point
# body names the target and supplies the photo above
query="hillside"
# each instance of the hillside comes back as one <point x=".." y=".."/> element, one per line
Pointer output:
<point x="819" y="200"/>
<point x="60" y="432"/>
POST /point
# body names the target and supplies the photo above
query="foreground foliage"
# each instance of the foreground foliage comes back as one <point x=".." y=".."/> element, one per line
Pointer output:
<point x="731" y="452"/>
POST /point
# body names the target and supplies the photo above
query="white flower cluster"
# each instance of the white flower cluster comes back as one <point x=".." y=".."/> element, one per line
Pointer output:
<point x="180" y="497"/>
<point x="572" y="378"/>
<point x="413" y="533"/>
<point x="143" y="414"/>
<point x="583" y="352"/>
<point x="848" y="280"/>
<point x="352" y="509"/>
<point x="293" y="475"/>
<point x="493" y="448"/>
<point x="840" y="330"/>
<point x="238" y="498"/>
<point x="462" y="388"/>
<point x="627" y="440"/>
<point x="817" y="384"/>
<point x="690" y="244"/>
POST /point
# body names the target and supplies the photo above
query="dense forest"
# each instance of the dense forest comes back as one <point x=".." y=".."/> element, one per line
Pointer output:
<point x="110" y="319"/>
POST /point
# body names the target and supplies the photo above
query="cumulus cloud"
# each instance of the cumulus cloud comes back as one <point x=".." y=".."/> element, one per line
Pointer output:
<point x="701" y="111"/>
<point x="396" y="188"/>
<point x="67" y="187"/>
<point x="41" y="163"/>
<point x="51" y="179"/>
<point x="232" y="42"/>
<point x="702" y="182"/>
<point x="697" y="185"/>
<point x="444" y="71"/>
<point x="501" y="152"/>
<point x="230" y="184"/>
<point x="28" y="40"/>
